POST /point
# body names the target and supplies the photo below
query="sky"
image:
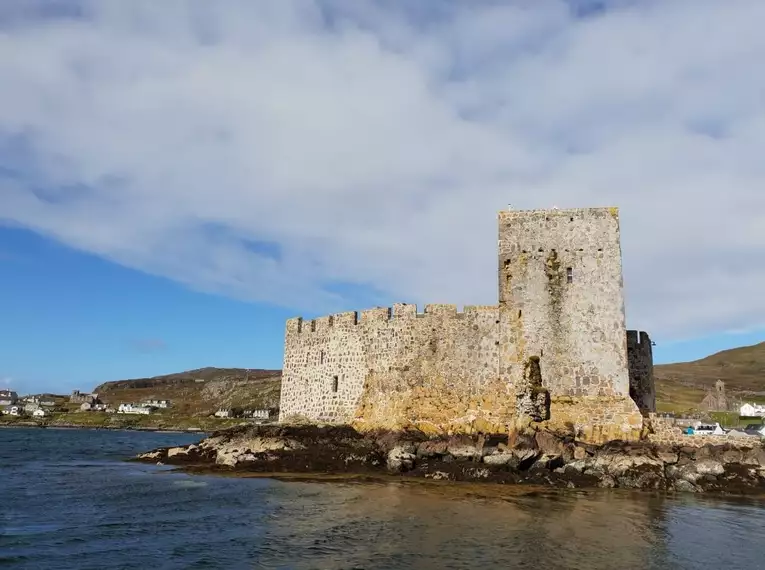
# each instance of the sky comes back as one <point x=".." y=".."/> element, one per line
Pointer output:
<point x="177" y="178"/>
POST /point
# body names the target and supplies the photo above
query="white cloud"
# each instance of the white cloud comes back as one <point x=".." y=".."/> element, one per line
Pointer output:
<point x="367" y="144"/>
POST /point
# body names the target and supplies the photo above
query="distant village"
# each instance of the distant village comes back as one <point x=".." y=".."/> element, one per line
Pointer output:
<point x="40" y="406"/>
<point x="749" y="417"/>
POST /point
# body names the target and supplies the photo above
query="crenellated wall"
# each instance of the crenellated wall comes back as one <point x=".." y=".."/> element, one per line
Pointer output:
<point x="560" y="308"/>
<point x="394" y="366"/>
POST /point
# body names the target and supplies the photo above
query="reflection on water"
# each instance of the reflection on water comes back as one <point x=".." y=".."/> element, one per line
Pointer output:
<point x="70" y="503"/>
<point x="430" y="527"/>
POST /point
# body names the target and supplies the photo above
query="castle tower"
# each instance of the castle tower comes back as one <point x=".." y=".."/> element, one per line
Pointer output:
<point x="561" y="304"/>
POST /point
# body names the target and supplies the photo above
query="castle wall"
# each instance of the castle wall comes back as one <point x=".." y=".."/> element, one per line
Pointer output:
<point x="640" y="359"/>
<point x="561" y="300"/>
<point x="576" y="328"/>
<point x="435" y="370"/>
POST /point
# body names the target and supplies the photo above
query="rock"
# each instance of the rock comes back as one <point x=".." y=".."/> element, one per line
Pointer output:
<point x="401" y="458"/>
<point x="732" y="456"/>
<point x="580" y="453"/>
<point x="577" y="466"/>
<point x="668" y="457"/>
<point x="432" y="448"/>
<point x="549" y="461"/>
<point x="607" y="482"/>
<point x="465" y="449"/>
<point x="500" y="459"/>
<point x="526" y="457"/>
<point x="152" y="455"/>
<point x="549" y="443"/>
<point x="754" y="456"/>
<point x="709" y="467"/>
<point x="685" y="486"/>
<point x="643" y="476"/>
<point x="438" y="476"/>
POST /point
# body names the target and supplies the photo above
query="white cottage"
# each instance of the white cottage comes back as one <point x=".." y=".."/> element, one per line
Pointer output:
<point x="752" y="410"/>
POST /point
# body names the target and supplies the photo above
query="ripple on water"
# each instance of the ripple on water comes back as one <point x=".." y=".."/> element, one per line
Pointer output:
<point x="76" y="507"/>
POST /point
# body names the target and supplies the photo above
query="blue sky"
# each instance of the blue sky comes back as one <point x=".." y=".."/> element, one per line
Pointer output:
<point x="176" y="179"/>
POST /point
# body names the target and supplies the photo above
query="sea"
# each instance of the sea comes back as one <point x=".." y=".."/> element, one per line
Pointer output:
<point x="69" y="500"/>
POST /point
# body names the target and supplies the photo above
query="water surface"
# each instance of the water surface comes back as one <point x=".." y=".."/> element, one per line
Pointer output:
<point x="69" y="501"/>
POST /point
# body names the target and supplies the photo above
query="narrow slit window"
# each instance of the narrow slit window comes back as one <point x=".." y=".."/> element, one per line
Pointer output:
<point x="335" y="382"/>
<point x="321" y="357"/>
<point x="569" y="275"/>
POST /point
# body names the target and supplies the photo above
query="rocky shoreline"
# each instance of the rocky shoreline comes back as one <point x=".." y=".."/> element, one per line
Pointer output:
<point x="534" y="457"/>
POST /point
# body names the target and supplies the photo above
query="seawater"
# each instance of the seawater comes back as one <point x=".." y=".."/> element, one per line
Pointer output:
<point x="70" y="501"/>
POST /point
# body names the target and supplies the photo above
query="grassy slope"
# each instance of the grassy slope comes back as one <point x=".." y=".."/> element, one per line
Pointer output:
<point x="682" y="386"/>
<point x="199" y="392"/>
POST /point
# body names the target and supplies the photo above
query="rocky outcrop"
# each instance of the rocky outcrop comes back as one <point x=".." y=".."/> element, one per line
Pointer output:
<point x="540" y="457"/>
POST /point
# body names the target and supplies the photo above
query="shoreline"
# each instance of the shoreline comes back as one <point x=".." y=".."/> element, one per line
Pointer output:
<point x="34" y="425"/>
<point x="542" y="458"/>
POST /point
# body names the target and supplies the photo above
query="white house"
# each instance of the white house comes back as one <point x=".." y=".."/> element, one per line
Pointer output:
<point x="8" y="397"/>
<point x="157" y="403"/>
<point x="223" y="413"/>
<point x="262" y="414"/>
<point x="133" y="409"/>
<point x="40" y="413"/>
<point x="708" y="429"/>
<point x="13" y="410"/>
<point x="752" y="410"/>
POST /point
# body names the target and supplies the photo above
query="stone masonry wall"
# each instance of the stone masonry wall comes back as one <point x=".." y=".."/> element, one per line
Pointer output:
<point x="640" y="359"/>
<point x="395" y="368"/>
<point x="560" y="308"/>
<point x="561" y="300"/>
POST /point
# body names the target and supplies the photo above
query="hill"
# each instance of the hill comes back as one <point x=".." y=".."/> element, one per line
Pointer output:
<point x="682" y="386"/>
<point x="200" y="392"/>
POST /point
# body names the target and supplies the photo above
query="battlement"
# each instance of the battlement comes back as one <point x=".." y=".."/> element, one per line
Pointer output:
<point x="573" y="214"/>
<point x="399" y="311"/>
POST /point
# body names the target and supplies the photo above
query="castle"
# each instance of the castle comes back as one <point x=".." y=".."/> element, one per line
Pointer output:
<point x="554" y="351"/>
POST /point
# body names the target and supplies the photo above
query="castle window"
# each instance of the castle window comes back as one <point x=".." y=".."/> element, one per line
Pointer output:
<point x="313" y="326"/>
<point x="571" y="219"/>
<point x="569" y="275"/>
<point x="335" y="381"/>
<point x="321" y="357"/>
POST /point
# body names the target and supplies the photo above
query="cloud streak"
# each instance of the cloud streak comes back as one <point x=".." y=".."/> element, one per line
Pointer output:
<point x="148" y="345"/>
<point x="328" y="155"/>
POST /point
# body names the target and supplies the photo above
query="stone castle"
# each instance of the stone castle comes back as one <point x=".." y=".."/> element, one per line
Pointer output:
<point x="554" y="351"/>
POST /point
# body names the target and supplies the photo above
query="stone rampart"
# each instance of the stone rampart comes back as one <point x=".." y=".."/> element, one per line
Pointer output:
<point x="392" y="367"/>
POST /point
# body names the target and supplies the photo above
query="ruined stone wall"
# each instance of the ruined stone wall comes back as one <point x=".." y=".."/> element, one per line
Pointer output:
<point x="561" y="300"/>
<point x="640" y="359"/>
<point x="555" y="341"/>
<point x="394" y="368"/>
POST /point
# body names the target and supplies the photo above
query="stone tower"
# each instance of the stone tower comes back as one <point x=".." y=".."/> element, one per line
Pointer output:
<point x="561" y="307"/>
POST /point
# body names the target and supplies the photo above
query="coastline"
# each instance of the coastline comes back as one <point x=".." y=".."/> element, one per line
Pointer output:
<point x="542" y="459"/>
<point x="36" y="425"/>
